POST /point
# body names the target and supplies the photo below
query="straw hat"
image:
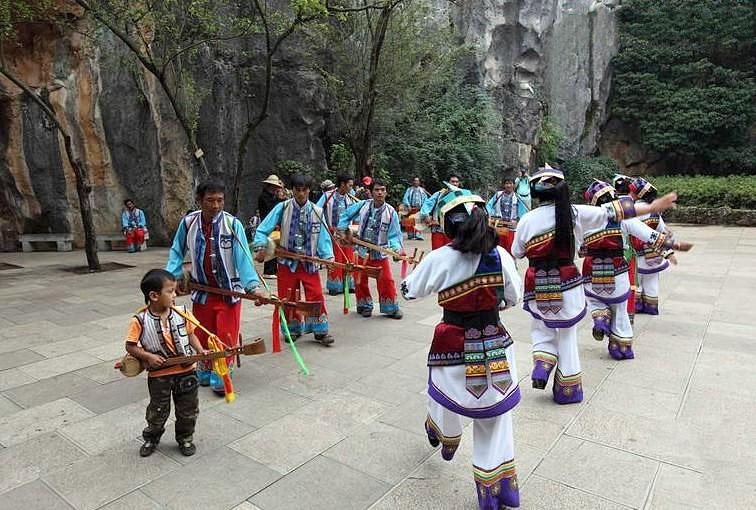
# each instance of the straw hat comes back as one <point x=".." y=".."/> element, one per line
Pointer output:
<point x="274" y="181"/>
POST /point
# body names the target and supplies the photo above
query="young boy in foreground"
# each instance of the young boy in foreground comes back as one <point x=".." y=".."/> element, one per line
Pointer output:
<point x="158" y="332"/>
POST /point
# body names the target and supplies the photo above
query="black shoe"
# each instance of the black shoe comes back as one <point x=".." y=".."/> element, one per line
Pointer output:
<point x="352" y="291"/>
<point x="539" y="384"/>
<point x="332" y="292"/>
<point x="187" y="449"/>
<point x="324" y="339"/>
<point x="147" y="449"/>
<point x="396" y="315"/>
<point x="366" y="313"/>
<point x="598" y="334"/>
<point x="294" y="337"/>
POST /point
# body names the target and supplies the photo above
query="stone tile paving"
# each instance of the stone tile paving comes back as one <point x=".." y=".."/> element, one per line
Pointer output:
<point x="671" y="429"/>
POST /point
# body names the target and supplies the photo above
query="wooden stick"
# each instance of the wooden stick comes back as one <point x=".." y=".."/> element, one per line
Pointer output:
<point x="384" y="250"/>
<point x="310" y="309"/>
<point x="248" y="349"/>
<point x="372" y="272"/>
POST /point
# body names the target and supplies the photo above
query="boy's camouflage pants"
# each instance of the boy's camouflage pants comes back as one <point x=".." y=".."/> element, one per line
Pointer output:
<point x="184" y="389"/>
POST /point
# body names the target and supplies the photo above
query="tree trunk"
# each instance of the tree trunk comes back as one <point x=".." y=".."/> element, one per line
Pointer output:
<point x="240" y="156"/>
<point x="84" y="191"/>
<point x="271" y="48"/>
<point x="362" y="147"/>
<point x="83" y="186"/>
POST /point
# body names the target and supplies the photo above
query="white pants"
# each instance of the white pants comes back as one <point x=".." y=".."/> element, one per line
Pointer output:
<point x="493" y="453"/>
<point x="560" y="344"/>
<point x="619" y="319"/>
<point x="493" y="442"/>
<point x="649" y="285"/>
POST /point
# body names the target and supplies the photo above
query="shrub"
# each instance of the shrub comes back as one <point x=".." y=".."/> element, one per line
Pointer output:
<point x="735" y="191"/>
<point x="549" y="140"/>
<point x="580" y="172"/>
<point x="685" y="76"/>
<point x="287" y="169"/>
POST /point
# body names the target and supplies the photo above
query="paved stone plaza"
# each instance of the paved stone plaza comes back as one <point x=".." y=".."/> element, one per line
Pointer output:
<point x="672" y="429"/>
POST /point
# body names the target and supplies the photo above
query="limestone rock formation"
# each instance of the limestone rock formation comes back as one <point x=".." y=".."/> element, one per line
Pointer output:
<point x="544" y="57"/>
<point x="536" y="57"/>
<point x="129" y="138"/>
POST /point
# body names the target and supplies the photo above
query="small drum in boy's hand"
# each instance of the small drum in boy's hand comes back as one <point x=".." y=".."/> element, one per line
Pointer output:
<point x="129" y="366"/>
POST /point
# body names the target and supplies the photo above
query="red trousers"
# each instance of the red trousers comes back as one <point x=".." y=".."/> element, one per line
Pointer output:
<point x="439" y="239"/>
<point x="220" y="318"/>
<point x="135" y="236"/>
<point x="289" y="281"/>
<point x="506" y="238"/>
<point x="387" y="296"/>
<point x="335" y="280"/>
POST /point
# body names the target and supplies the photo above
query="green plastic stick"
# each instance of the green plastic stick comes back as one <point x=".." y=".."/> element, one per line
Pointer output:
<point x="347" y="301"/>
<point x="300" y="361"/>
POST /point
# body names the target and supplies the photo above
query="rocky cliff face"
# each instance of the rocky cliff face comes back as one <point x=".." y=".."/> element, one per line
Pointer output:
<point x="544" y="57"/>
<point x="536" y="57"/>
<point x="129" y="138"/>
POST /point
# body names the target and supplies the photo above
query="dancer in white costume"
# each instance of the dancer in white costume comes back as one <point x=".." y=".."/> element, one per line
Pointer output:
<point x="651" y="260"/>
<point x="605" y="272"/>
<point x="471" y="361"/>
<point x="554" y="293"/>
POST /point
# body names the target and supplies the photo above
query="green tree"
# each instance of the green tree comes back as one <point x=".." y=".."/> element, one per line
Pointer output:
<point x="580" y="173"/>
<point x="357" y="73"/>
<point x="449" y="130"/>
<point x="549" y="139"/>
<point x="402" y="94"/>
<point x="13" y="14"/>
<point x="685" y="75"/>
<point x="276" y="25"/>
<point x="165" y="37"/>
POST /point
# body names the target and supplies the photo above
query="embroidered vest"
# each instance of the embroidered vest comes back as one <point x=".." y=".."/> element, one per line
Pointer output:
<point x="604" y="258"/>
<point x="221" y="253"/>
<point x="334" y="205"/>
<point x="416" y="197"/>
<point x="374" y="226"/>
<point x="505" y="206"/>
<point x="152" y="339"/>
<point x="300" y="230"/>
<point x="549" y="275"/>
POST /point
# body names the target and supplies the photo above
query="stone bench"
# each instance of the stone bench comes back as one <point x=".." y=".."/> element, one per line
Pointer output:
<point x="111" y="242"/>
<point x="63" y="242"/>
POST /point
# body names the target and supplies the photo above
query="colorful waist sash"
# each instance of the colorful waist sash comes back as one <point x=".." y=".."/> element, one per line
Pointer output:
<point x="478" y="340"/>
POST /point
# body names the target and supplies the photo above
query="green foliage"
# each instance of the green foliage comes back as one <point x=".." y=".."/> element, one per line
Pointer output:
<point x="685" y="75"/>
<point x="549" y="140"/>
<point x="428" y="121"/>
<point x="13" y="12"/>
<point x="580" y="172"/>
<point x="341" y="159"/>
<point x="449" y="131"/>
<point x="288" y="168"/>
<point x="734" y="191"/>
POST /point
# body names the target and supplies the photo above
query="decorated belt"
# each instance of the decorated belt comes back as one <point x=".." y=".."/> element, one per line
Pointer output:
<point x="485" y="344"/>
<point x="548" y="283"/>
